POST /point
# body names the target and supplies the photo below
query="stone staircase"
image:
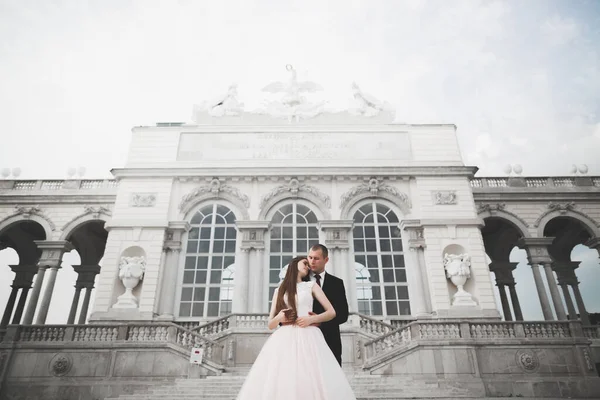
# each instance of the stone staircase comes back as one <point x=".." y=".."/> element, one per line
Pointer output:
<point x="366" y="387"/>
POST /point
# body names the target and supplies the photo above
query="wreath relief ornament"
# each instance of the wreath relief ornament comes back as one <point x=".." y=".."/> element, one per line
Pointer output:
<point x="60" y="364"/>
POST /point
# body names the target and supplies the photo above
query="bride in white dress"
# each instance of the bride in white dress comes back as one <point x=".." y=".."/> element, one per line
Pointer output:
<point x="295" y="363"/>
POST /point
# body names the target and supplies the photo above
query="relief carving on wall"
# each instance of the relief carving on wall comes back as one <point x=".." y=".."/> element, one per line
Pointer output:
<point x="527" y="360"/>
<point x="28" y="212"/>
<point x="445" y="197"/>
<point x="143" y="199"/>
<point x="215" y="188"/>
<point x="60" y="364"/>
<point x="295" y="188"/>
<point x="373" y="188"/>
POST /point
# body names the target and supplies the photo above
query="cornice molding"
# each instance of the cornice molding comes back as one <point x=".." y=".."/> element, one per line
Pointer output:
<point x="180" y="170"/>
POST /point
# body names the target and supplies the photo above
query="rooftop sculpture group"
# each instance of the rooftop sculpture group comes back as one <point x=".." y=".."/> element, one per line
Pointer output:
<point x="292" y="104"/>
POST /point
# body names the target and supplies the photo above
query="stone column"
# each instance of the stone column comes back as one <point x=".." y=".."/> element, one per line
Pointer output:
<point x="10" y="306"/>
<point x="23" y="279"/>
<point x="172" y="250"/>
<point x="338" y="242"/>
<point x="567" y="276"/>
<point x="570" y="306"/>
<point x="35" y="294"/>
<point x="515" y="302"/>
<point x="585" y="319"/>
<point x="537" y="254"/>
<point x="250" y="271"/>
<point x="86" y="274"/>
<point x="503" y="270"/>
<point x="52" y="252"/>
<point x="85" y="306"/>
<point x="416" y="273"/>
<point x="74" y="305"/>
<point x="556" y="300"/>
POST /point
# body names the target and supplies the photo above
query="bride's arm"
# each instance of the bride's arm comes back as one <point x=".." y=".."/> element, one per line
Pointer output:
<point x="325" y="316"/>
<point x="274" y="320"/>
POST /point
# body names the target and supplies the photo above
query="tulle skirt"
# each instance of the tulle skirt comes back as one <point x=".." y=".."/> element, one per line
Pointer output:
<point x="296" y="364"/>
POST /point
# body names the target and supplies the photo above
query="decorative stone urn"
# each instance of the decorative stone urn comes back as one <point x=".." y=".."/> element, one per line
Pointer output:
<point x="458" y="270"/>
<point x="131" y="272"/>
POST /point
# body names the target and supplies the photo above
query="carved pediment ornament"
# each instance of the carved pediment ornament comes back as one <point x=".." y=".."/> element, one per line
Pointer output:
<point x="562" y="208"/>
<point x="295" y="188"/>
<point x="28" y="212"/>
<point x="96" y="212"/>
<point x="215" y="188"/>
<point x="493" y="209"/>
<point x="374" y="188"/>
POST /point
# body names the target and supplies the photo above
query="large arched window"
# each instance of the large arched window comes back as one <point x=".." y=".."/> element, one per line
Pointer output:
<point x="380" y="272"/>
<point x="209" y="272"/>
<point x="293" y="231"/>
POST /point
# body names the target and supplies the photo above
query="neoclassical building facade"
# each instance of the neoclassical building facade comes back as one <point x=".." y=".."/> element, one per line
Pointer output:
<point x="193" y="234"/>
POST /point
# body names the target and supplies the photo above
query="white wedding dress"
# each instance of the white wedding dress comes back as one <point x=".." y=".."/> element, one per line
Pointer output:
<point x="296" y="364"/>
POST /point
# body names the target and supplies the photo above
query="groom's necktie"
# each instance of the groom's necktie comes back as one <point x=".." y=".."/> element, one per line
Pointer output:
<point x="318" y="278"/>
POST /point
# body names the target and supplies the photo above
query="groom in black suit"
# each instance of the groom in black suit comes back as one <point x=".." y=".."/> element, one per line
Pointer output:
<point x="333" y="287"/>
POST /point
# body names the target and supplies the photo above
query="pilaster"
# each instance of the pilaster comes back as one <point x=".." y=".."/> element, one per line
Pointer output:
<point x="172" y="247"/>
<point x="341" y="262"/>
<point x="416" y="274"/>
<point x="249" y="280"/>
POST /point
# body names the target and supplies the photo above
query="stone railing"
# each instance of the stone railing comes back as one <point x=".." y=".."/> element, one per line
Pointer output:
<point x="54" y="185"/>
<point x="592" y="332"/>
<point x="372" y="326"/>
<point x="225" y="324"/>
<point x="157" y="333"/>
<point x="535" y="182"/>
<point x="432" y="331"/>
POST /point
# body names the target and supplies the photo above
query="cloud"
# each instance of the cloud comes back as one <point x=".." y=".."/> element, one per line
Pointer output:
<point x="559" y="31"/>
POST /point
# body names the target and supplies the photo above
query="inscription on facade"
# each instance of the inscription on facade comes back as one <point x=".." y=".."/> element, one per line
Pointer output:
<point x="233" y="146"/>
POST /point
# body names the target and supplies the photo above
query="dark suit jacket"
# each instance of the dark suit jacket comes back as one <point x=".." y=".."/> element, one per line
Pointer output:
<point x="333" y="287"/>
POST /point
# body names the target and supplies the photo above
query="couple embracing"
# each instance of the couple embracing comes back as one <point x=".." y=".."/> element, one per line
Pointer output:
<point x="302" y="358"/>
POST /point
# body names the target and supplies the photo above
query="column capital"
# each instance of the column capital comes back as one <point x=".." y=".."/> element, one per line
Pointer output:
<point x="416" y="233"/>
<point x="253" y="233"/>
<point x="173" y="235"/>
<point x="52" y="252"/>
<point x="537" y="249"/>
<point x="565" y="272"/>
<point x="336" y="233"/>
<point x="23" y="275"/>
<point x="503" y="271"/>
<point x="86" y="274"/>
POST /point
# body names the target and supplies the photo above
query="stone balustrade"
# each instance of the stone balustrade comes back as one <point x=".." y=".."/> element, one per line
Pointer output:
<point x="142" y="333"/>
<point x="372" y="326"/>
<point x="559" y="182"/>
<point x="443" y="331"/>
<point x="592" y="332"/>
<point x="222" y="325"/>
<point x="58" y="185"/>
<point x="476" y="183"/>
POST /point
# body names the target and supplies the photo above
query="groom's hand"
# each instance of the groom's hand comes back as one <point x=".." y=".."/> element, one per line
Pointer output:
<point x="312" y="313"/>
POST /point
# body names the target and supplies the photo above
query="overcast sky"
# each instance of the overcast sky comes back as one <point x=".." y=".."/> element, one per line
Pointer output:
<point x="520" y="79"/>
